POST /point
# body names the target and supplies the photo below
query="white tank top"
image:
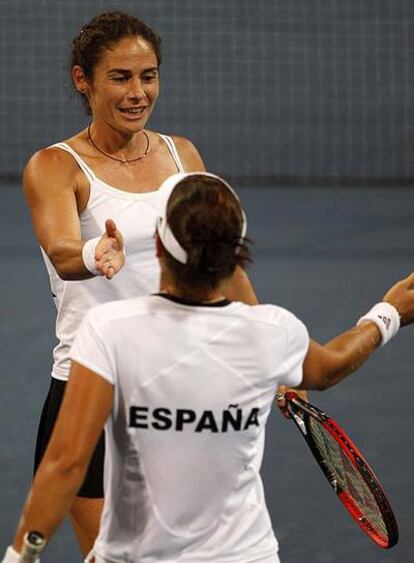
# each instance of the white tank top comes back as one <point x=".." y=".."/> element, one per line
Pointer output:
<point x="134" y="215"/>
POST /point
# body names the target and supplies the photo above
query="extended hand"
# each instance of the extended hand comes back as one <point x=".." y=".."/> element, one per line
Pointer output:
<point x="401" y="295"/>
<point x="109" y="253"/>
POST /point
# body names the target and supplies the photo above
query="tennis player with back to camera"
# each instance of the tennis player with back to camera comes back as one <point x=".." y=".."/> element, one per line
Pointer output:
<point x="185" y="424"/>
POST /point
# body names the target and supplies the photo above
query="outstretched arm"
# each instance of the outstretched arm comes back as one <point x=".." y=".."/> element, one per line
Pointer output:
<point x="327" y="365"/>
<point x="86" y="406"/>
<point x="52" y="194"/>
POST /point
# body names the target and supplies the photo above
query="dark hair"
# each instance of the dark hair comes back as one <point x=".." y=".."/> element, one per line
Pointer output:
<point x="103" y="31"/>
<point x="206" y="219"/>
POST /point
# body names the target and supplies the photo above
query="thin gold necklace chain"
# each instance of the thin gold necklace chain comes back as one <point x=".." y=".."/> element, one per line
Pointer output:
<point x="117" y="159"/>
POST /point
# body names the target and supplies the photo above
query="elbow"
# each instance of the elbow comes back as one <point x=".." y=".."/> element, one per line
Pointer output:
<point x="326" y="381"/>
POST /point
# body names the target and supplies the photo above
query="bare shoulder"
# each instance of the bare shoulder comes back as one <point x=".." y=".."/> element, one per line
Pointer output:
<point x="190" y="157"/>
<point x="47" y="168"/>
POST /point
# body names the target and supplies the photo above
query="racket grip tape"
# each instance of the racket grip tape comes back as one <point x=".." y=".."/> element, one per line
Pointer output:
<point x="33" y="545"/>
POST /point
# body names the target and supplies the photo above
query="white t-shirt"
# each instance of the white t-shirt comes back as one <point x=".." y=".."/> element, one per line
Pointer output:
<point x="194" y="386"/>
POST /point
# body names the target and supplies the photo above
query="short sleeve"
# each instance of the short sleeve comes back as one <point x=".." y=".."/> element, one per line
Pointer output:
<point x="296" y="349"/>
<point x="91" y="347"/>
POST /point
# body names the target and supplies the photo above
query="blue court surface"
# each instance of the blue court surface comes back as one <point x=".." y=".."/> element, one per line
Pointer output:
<point x="327" y="255"/>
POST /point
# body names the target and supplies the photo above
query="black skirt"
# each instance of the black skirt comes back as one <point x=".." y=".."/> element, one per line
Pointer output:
<point x="92" y="486"/>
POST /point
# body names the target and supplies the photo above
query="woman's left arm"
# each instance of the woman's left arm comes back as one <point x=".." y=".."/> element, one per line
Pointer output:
<point x="189" y="155"/>
<point x="86" y="406"/>
<point x="239" y="288"/>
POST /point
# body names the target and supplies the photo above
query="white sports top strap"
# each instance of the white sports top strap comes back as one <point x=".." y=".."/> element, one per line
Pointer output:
<point x="91" y="175"/>
<point x="82" y="165"/>
<point x="173" y="150"/>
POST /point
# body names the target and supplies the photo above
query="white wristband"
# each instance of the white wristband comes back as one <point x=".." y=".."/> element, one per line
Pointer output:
<point x="88" y="255"/>
<point x="387" y="319"/>
<point x="11" y="555"/>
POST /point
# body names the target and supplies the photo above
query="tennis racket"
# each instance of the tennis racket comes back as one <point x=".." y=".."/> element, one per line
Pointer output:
<point x="347" y="471"/>
<point x="33" y="545"/>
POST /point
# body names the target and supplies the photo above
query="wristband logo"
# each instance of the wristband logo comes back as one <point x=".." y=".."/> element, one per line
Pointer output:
<point x="385" y="320"/>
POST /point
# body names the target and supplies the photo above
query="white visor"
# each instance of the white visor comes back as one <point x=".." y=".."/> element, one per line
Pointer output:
<point x="170" y="243"/>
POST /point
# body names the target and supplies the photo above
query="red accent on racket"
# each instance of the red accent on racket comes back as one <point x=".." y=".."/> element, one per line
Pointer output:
<point x="347" y="471"/>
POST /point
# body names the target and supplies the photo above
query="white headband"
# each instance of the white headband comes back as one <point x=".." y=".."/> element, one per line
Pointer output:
<point x="166" y="235"/>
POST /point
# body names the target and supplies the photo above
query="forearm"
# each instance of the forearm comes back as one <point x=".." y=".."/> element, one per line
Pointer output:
<point x="49" y="500"/>
<point x="354" y="346"/>
<point x="239" y="288"/>
<point x="327" y="365"/>
<point x="66" y="257"/>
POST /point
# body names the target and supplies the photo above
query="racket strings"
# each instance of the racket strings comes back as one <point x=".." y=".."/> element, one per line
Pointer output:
<point x="344" y="476"/>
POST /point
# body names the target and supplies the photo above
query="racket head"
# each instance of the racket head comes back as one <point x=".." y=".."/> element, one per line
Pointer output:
<point x="348" y="473"/>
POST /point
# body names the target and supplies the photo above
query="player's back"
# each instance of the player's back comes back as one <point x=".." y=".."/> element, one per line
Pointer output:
<point x="194" y="386"/>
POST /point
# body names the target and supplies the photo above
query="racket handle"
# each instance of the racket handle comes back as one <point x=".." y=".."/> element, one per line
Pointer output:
<point x="33" y="545"/>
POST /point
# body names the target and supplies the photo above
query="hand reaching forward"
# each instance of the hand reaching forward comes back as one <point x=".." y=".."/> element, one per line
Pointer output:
<point x="109" y="252"/>
<point x="401" y="295"/>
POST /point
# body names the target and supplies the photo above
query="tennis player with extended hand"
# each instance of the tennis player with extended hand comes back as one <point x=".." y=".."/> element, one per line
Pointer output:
<point x="112" y="168"/>
<point x="184" y="381"/>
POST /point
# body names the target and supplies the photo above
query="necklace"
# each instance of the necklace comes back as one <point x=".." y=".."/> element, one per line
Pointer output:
<point x="117" y="159"/>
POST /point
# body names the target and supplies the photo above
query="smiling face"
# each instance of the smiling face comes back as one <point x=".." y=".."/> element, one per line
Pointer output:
<point x="124" y="87"/>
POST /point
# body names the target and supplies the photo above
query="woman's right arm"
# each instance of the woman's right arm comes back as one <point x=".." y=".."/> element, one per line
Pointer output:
<point x="327" y="365"/>
<point x="51" y="192"/>
<point x="87" y="404"/>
